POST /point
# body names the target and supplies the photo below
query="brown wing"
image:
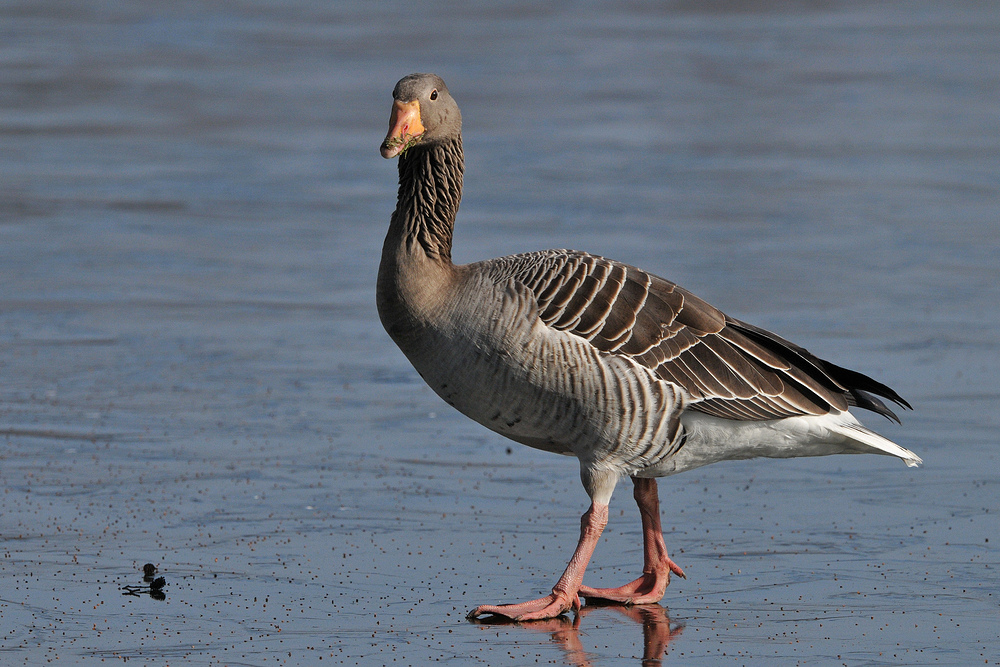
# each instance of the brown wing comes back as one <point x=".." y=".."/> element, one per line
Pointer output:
<point x="729" y="369"/>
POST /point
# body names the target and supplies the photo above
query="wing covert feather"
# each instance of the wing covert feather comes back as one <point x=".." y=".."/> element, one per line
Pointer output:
<point x="728" y="368"/>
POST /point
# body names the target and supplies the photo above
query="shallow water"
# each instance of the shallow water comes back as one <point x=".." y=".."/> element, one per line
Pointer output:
<point x="193" y="374"/>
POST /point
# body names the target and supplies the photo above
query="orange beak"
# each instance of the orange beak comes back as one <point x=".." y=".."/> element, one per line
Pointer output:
<point x="405" y="128"/>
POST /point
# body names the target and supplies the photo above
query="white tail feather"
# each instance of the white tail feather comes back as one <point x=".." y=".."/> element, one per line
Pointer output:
<point x="712" y="439"/>
<point x="853" y="430"/>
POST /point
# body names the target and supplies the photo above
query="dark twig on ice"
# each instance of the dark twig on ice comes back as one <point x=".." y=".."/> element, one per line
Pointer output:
<point x="153" y="587"/>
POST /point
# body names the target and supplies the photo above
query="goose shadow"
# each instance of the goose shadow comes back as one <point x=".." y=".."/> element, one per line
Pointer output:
<point x="657" y="632"/>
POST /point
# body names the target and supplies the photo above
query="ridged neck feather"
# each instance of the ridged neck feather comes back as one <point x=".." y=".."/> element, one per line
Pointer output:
<point x="430" y="188"/>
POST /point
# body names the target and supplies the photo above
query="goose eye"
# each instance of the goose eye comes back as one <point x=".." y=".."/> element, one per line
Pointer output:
<point x="434" y="94"/>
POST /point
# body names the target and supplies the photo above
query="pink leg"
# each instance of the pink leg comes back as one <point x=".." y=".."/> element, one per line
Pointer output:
<point x="564" y="594"/>
<point x="657" y="566"/>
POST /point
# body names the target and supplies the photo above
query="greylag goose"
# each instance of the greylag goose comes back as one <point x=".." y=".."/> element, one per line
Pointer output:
<point x="580" y="355"/>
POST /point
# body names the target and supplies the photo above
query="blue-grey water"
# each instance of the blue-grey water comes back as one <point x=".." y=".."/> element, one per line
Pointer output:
<point x="192" y="372"/>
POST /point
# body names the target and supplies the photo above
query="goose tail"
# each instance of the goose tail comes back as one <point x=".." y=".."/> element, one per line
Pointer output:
<point x="851" y="429"/>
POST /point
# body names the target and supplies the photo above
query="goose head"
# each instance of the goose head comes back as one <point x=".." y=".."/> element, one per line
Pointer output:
<point x="423" y="112"/>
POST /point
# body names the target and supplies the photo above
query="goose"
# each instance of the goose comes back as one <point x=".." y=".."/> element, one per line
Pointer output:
<point x="576" y="354"/>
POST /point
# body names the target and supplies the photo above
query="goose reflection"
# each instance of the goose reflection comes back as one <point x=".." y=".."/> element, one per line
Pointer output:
<point x="656" y="631"/>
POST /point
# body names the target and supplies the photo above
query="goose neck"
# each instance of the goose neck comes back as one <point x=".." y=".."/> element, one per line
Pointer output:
<point x="430" y="189"/>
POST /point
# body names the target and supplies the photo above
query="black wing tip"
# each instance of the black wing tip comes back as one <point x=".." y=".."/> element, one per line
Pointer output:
<point x="865" y="389"/>
<point x="863" y="399"/>
<point x="860" y="389"/>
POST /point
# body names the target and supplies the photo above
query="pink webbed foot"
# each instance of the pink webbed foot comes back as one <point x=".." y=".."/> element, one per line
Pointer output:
<point x="647" y="589"/>
<point x="563" y="597"/>
<point x="552" y="605"/>
<point x="657" y="566"/>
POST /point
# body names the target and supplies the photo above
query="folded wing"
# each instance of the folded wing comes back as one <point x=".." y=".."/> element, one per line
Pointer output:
<point x="728" y="368"/>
